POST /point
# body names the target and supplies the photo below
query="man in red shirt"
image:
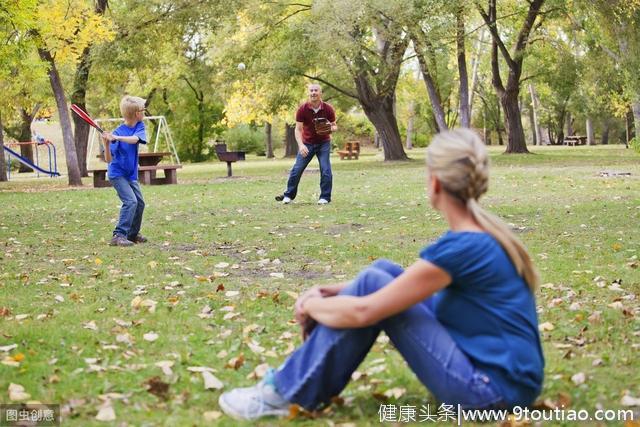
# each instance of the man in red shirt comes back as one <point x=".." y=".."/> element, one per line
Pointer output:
<point x="313" y="139"/>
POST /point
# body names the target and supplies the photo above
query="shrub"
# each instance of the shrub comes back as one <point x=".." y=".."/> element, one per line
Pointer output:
<point x="635" y="144"/>
<point x="245" y="138"/>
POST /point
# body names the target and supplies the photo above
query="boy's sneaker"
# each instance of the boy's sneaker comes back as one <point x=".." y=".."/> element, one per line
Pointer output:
<point x="119" y="240"/>
<point x="250" y="403"/>
<point x="323" y="202"/>
<point x="139" y="239"/>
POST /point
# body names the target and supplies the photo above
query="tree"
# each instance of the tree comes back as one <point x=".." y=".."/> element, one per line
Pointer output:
<point x="509" y="93"/>
<point x="65" y="29"/>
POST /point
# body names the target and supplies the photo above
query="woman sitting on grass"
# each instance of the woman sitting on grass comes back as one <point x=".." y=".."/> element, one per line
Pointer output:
<point x="463" y="316"/>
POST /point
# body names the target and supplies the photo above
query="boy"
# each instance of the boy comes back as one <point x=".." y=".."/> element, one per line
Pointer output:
<point x="123" y="171"/>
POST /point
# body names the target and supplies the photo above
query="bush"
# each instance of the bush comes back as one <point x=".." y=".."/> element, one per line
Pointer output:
<point x="635" y="144"/>
<point x="245" y="138"/>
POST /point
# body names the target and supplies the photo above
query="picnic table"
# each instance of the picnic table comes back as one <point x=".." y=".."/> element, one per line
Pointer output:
<point x="149" y="165"/>
<point x="575" y="140"/>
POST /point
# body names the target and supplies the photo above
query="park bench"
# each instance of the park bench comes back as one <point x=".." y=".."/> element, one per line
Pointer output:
<point x="575" y="140"/>
<point x="350" y="151"/>
<point x="146" y="175"/>
<point x="228" y="156"/>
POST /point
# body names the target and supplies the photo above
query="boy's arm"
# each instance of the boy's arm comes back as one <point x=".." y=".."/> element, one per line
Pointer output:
<point x="126" y="139"/>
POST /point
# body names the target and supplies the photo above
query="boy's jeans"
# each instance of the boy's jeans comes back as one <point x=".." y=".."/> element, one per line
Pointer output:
<point x="322" y="151"/>
<point x="323" y="365"/>
<point x="132" y="207"/>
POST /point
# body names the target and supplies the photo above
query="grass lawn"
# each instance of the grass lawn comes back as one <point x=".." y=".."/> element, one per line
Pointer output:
<point x="216" y="283"/>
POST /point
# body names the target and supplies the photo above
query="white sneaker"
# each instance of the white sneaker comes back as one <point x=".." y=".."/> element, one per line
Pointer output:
<point x="286" y="200"/>
<point x="323" y="202"/>
<point x="254" y="402"/>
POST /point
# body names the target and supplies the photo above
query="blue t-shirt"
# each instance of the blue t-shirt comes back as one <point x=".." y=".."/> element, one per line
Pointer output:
<point x="490" y="312"/>
<point x="124" y="157"/>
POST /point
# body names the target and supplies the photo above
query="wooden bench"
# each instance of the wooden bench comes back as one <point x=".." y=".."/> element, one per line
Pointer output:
<point x="146" y="175"/>
<point x="350" y="151"/>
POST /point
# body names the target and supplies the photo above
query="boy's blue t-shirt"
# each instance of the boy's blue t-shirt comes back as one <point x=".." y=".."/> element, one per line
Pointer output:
<point x="124" y="157"/>
<point x="490" y="312"/>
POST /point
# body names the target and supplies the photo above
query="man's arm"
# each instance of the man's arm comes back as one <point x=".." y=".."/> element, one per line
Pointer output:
<point x="302" y="149"/>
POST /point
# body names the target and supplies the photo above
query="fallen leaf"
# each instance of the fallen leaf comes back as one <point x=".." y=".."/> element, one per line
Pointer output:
<point x="165" y="365"/>
<point x="211" y="381"/>
<point x="5" y="312"/>
<point x="630" y="400"/>
<point x="17" y="393"/>
<point x="236" y="362"/>
<point x="151" y="336"/>
<point x="259" y="371"/>
<point x="21" y="316"/>
<point x="277" y="275"/>
<point x="157" y="387"/>
<point x="579" y="378"/>
<point x="396" y="392"/>
<point x="211" y="415"/>
<point x="106" y="412"/>
<point x="546" y="327"/>
<point x="8" y="348"/>
<point x="231" y="294"/>
<point x="90" y="325"/>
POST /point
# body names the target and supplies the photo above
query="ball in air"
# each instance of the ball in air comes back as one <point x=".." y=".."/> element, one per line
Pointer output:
<point x="241" y="66"/>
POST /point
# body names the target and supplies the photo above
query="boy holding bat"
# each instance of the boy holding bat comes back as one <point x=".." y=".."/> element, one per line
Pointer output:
<point x="123" y="170"/>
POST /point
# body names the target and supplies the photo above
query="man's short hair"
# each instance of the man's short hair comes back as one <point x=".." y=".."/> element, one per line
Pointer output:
<point x="314" y="84"/>
<point x="130" y="105"/>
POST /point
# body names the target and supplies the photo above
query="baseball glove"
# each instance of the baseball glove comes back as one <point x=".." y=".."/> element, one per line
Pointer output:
<point x="322" y="126"/>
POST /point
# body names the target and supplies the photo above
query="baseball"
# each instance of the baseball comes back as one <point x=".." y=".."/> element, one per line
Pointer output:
<point x="241" y="66"/>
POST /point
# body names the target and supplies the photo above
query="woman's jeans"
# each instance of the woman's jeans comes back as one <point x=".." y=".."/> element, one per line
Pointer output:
<point x="132" y="208"/>
<point x="323" y="152"/>
<point x="322" y="366"/>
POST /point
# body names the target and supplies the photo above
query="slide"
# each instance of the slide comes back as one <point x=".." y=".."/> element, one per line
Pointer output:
<point x="28" y="163"/>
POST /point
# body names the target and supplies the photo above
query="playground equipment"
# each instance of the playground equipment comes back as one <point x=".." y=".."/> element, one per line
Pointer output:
<point x="162" y="133"/>
<point x="52" y="158"/>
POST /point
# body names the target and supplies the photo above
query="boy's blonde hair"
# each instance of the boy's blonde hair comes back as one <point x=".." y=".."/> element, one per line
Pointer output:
<point x="459" y="159"/>
<point x="130" y="105"/>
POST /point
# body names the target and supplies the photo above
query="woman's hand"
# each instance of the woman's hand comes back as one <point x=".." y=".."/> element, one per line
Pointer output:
<point x="307" y="324"/>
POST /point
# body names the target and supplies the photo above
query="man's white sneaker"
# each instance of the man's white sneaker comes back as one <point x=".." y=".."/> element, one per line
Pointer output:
<point x="323" y="202"/>
<point x="286" y="200"/>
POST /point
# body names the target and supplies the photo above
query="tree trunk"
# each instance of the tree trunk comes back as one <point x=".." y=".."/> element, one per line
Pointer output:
<point x="78" y="97"/>
<point x="636" y="117"/>
<point x="591" y="139"/>
<point x="537" y="135"/>
<point x="3" y="162"/>
<point x="465" y="115"/>
<point x="269" y="141"/>
<point x="474" y="71"/>
<point x="434" y="96"/>
<point x="290" y="144"/>
<point x="410" y="125"/>
<point x="379" y="111"/>
<point x="381" y="116"/>
<point x="26" y="151"/>
<point x="570" y="130"/>
<point x="628" y="128"/>
<point x="65" y="121"/>
<point x="512" y="118"/>
<point x="605" y="131"/>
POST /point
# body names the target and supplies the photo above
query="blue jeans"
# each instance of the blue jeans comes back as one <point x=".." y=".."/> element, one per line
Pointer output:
<point x="322" y="151"/>
<point x="132" y="207"/>
<point x="323" y="365"/>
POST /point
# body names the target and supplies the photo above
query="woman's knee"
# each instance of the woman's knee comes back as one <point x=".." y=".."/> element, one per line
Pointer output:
<point x="388" y="266"/>
<point x="367" y="282"/>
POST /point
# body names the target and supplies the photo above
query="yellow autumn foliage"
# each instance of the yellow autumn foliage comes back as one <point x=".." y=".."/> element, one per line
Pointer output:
<point x="67" y="27"/>
<point x="247" y="104"/>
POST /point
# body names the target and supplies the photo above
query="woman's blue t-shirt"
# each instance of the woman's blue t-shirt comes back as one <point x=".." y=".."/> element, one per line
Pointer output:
<point x="124" y="157"/>
<point x="490" y="312"/>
